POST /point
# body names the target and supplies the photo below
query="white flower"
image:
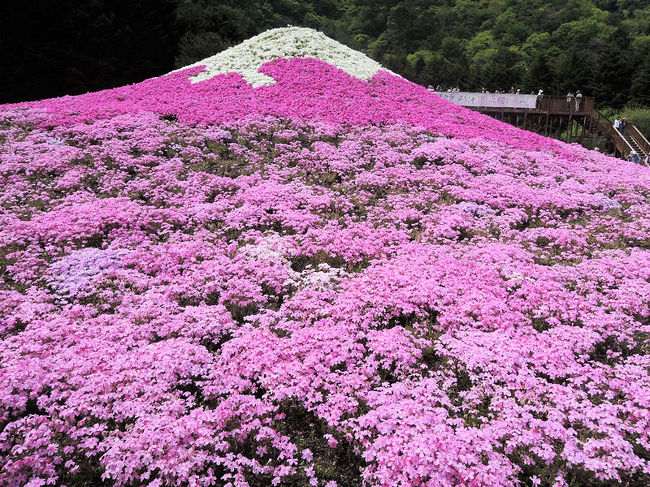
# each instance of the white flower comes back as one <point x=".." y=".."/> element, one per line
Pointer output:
<point x="288" y="42"/>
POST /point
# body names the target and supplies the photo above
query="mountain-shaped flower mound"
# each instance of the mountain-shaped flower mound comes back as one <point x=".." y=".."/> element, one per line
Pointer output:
<point x="332" y="279"/>
<point x="287" y="43"/>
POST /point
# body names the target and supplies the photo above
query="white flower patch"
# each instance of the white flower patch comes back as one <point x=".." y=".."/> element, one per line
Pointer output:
<point x="268" y="247"/>
<point x="321" y="277"/>
<point x="288" y="42"/>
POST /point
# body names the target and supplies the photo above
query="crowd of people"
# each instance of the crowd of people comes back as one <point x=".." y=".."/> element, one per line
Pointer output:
<point x="571" y="97"/>
<point x="456" y="89"/>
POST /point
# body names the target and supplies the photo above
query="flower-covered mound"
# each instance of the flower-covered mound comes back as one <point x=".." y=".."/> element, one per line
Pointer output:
<point x="323" y="281"/>
<point x="288" y="43"/>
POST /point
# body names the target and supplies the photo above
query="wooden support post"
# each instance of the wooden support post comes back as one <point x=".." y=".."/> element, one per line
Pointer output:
<point x="554" y="115"/>
<point x="525" y="116"/>
<point x="546" y="126"/>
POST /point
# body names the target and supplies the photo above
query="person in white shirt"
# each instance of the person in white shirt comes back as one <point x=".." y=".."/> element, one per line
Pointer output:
<point x="578" y="100"/>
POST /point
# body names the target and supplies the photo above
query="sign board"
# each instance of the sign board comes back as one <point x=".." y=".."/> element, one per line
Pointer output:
<point x="492" y="100"/>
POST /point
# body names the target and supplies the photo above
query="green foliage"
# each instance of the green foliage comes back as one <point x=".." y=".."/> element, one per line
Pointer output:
<point x="600" y="47"/>
<point x="641" y="83"/>
<point x="194" y="46"/>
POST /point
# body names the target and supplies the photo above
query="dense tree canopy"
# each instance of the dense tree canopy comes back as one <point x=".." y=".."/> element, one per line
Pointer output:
<point x="601" y="47"/>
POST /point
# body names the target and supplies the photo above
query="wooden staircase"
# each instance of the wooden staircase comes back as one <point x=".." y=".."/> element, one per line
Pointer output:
<point x="637" y="141"/>
<point x="634" y="145"/>
<point x="633" y="140"/>
<point x="556" y="116"/>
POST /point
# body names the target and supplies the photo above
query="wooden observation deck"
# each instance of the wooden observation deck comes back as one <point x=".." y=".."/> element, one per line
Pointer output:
<point x="577" y="120"/>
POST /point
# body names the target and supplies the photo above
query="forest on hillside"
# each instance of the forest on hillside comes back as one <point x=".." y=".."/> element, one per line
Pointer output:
<point x="601" y="47"/>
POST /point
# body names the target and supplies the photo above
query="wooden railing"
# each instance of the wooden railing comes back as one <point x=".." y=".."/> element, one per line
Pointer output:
<point x="639" y="138"/>
<point x="561" y="104"/>
<point x="606" y="127"/>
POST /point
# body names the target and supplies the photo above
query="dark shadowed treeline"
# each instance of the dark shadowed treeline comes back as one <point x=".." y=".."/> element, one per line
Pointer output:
<point x="601" y="47"/>
<point x="52" y="48"/>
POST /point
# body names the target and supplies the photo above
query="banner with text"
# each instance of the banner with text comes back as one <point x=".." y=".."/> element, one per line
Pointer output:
<point x="492" y="100"/>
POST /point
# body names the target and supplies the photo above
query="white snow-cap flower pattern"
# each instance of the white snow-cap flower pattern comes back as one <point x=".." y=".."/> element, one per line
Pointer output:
<point x="287" y="42"/>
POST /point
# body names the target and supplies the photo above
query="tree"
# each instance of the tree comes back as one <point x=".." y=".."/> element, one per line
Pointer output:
<point x="539" y="74"/>
<point x="640" y="88"/>
<point x="615" y="71"/>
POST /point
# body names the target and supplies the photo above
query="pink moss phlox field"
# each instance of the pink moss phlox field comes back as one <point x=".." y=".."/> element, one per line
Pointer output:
<point x="323" y="281"/>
